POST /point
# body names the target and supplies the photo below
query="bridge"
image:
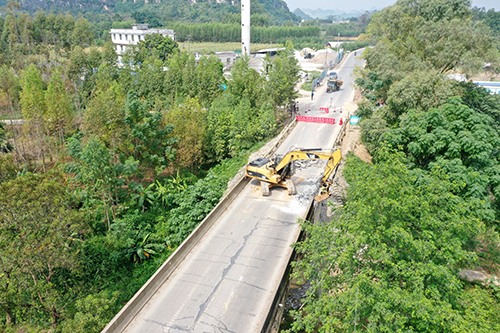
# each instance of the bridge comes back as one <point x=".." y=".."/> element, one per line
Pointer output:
<point x="226" y="276"/>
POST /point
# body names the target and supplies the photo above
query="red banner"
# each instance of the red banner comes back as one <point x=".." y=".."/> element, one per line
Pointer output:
<point x="316" y="120"/>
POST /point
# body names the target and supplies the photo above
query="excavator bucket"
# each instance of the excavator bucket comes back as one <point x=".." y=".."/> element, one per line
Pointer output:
<point x="323" y="193"/>
<point x="322" y="196"/>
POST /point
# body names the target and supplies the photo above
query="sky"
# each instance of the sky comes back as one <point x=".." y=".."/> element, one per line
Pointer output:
<point x="367" y="4"/>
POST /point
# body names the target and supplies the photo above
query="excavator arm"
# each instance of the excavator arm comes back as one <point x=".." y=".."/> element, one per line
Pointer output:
<point x="304" y="154"/>
<point x="333" y="162"/>
<point x="276" y="172"/>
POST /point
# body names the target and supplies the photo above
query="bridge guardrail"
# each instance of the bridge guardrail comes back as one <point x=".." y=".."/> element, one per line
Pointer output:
<point x="136" y="303"/>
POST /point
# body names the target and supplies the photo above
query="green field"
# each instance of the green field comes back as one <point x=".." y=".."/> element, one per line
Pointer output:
<point x="210" y="48"/>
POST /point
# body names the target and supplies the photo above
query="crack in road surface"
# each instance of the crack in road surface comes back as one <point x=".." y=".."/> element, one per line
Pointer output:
<point x="226" y="270"/>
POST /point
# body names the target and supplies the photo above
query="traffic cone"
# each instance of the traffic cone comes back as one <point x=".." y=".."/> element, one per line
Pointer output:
<point x="340" y="122"/>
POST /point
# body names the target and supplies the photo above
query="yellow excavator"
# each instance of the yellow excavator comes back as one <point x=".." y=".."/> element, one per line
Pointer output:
<point x="278" y="170"/>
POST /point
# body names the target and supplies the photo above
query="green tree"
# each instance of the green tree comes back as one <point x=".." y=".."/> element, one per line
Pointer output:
<point x="420" y="91"/>
<point x="150" y="140"/>
<point x="150" y="79"/>
<point x="157" y="46"/>
<point x="38" y="230"/>
<point x="267" y="121"/>
<point x="459" y="140"/>
<point x="105" y="115"/>
<point x="426" y="36"/>
<point x="32" y="95"/>
<point x="189" y="120"/>
<point x="10" y="89"/>
<point x="283" y="76"/>
<point x="82" y="35"/>
<point x="9" y="97"/>
<point x="208" y="79"/>
<point x="93" y="313"/>
<point x="98" y="172"/>
<point x="246" y="82"/>
<point x="12" y="8"/>
<point x="219" y="128"/>
<point x="389" y="262"/>
<point x="58" y="103"/>
<point x="5" y="145"/>
<point x="8" y="169"/>
<point x="34" y="109"/>
<point x="243" y="127"/>
<point x="174" y="80"/>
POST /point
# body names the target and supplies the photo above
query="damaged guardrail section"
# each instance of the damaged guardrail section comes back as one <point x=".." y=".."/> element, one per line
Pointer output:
<point x="134" y="306"/>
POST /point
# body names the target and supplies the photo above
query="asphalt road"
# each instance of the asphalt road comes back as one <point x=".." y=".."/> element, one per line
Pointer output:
<point x="228" y="280"/>
<point x="337" y="99"/>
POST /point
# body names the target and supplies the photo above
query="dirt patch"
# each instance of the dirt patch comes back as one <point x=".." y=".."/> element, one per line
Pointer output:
<point x="487" y="76"/>
<point x="352" y="137"/>
<point x="352" y="142"/>
<point x="322" y="58"/>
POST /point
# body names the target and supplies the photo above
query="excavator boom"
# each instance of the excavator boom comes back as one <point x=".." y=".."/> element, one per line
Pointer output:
<point x="277" y="170"/>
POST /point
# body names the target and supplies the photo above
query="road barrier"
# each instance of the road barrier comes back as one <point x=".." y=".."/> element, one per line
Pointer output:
<point x="327" y="110"/>
<point x="320" y="120"/>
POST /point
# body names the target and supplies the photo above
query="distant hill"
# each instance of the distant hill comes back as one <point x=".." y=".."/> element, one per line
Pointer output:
<point x="328" y="13"/>
<point x="302" y="15"/>
<point x="157" y="12"/>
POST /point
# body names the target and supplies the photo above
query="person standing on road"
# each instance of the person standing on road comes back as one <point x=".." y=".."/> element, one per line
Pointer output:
<point x="312" y="95"/>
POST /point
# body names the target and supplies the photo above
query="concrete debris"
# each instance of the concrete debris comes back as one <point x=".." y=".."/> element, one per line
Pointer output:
<point x="304" y="164"/>
<point x="309" y="188"/>
<point x="295" y="295"/>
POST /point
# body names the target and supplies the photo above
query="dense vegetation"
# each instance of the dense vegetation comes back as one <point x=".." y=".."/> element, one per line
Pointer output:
<point x="355" y="27"/>
<point x="119" y="14"/>
<point x="63" y="30"/>
<point x="217" y="32"/>
<point x="157" y="13"/>
<point x="427" y="207"/>
<point x="113" y="166"/>
<point x="491" y="18"/>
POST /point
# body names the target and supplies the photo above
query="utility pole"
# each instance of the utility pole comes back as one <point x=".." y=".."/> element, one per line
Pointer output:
<point x="245" y="27"/>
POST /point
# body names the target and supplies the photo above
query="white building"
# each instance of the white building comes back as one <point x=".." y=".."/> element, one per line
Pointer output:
<point x="126" y="37"/>
<point x="227" y="58"/>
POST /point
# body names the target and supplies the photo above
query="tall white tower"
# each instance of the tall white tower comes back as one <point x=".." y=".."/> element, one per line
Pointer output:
<point x="245" y="27"/>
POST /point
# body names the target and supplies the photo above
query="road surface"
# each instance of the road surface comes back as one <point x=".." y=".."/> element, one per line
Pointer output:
<point x="226" y="283"/>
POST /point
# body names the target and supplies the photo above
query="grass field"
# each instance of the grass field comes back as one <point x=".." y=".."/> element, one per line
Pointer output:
<point x="211" y="48"/>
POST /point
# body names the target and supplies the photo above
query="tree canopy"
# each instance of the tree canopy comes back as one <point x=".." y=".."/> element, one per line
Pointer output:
<point x="427" y="206"/>
<point x="389" y="262"/>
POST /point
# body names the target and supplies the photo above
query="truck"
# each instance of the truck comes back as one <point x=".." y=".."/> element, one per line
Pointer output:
<point x="277" y="170"/>
<point x="333" y="85"/>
